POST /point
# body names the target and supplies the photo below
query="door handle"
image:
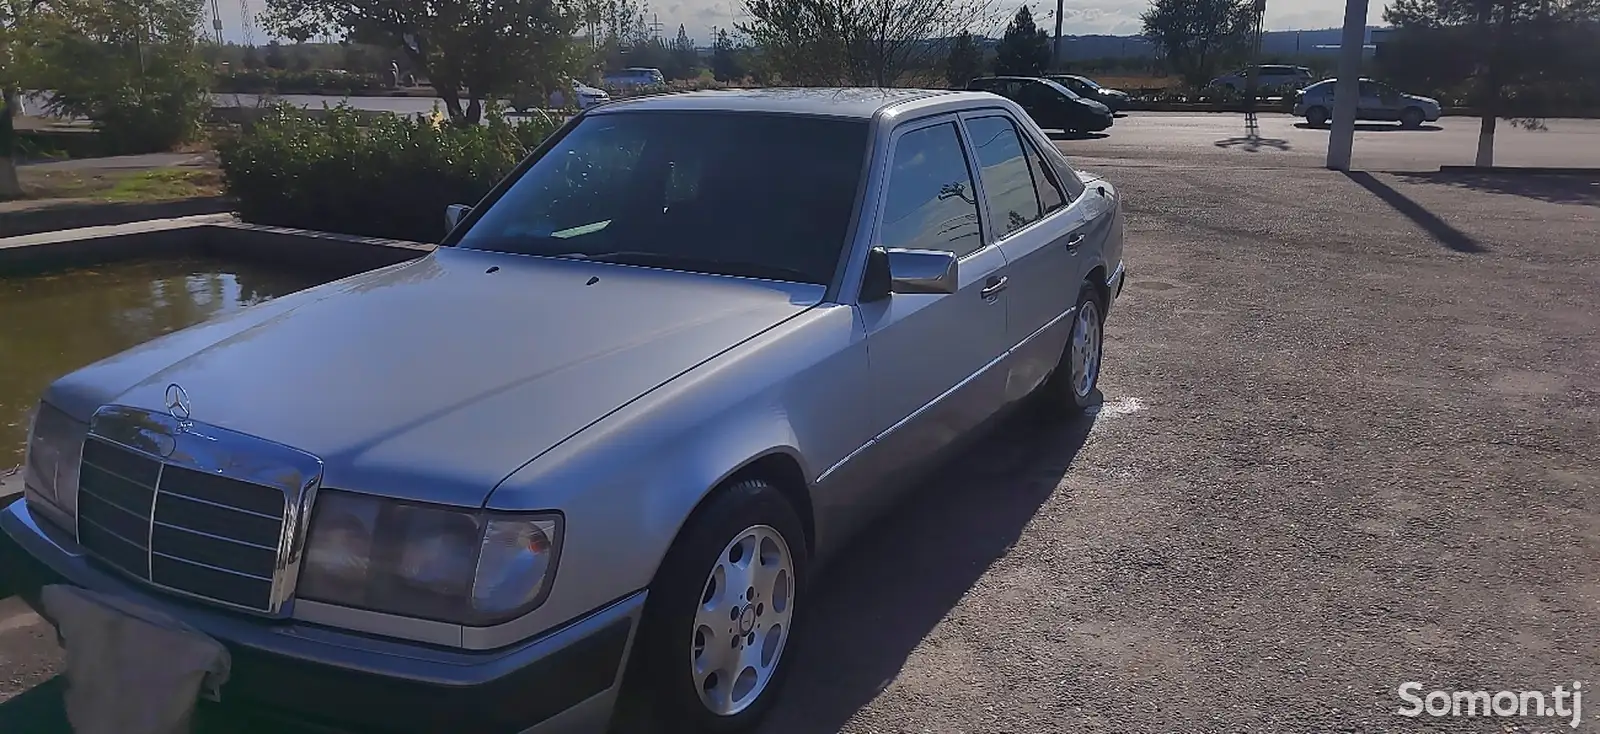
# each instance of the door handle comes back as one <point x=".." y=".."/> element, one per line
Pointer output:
<point x="991" y="290"/>
<point x="1074" y="241"/>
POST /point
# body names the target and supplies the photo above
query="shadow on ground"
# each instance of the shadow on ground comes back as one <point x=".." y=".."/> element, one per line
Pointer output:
<point x="1253" y="143"/>
<point x="905" y="573"/>
<point x="874" y="605"/>
<point x="1440" y="230"/>
<point x="1555" y="189"/>
<point x="1376" y="127"/>
<point x="1066" y="135"/>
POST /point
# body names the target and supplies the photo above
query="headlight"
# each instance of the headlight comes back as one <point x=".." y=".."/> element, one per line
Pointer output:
<point x="55" y="446"/>
<point x="463" y="566"/>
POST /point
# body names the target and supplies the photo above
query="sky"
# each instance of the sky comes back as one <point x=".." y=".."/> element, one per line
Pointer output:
<point x="1082" y="17"/>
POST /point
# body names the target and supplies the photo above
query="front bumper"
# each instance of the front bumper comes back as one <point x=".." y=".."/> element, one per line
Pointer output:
<point x="563" y="681"/>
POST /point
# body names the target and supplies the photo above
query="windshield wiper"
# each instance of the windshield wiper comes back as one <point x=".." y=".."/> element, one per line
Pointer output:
<point x="709" y="265"/>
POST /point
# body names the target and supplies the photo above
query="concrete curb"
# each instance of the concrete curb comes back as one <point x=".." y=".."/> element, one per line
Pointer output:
<point x="100" y="214"/>
<point x="1523" y="170"/>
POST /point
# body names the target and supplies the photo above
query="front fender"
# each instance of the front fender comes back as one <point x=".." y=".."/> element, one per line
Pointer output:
<point x="627" y="483"/>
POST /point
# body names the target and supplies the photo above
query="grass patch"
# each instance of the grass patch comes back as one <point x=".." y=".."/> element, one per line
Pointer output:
<point x="140" y="185"/>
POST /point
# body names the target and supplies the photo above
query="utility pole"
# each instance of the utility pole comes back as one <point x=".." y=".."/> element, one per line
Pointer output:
<point x="1345" y="91"/>
<point x="1055" y="48"/>
<point x="216" y="22"/>
<point x="1259" y="14"/>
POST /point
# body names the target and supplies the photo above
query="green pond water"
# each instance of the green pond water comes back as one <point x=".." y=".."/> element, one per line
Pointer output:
<point x="54" y="323"/>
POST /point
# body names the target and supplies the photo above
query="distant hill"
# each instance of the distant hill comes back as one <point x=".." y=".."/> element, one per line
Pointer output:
<point x="1317" y="42"/>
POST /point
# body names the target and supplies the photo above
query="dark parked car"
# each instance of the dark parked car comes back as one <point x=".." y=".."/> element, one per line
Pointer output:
<point x="1052" y="106"/>
<point x="1088" y="88"/>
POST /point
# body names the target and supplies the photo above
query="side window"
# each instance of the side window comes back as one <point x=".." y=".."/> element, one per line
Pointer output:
<point x="1051" y="196"/>
<point x="930" y="203"/>
<point x="1003" y="166"/>
<point x="1368" y="89"/>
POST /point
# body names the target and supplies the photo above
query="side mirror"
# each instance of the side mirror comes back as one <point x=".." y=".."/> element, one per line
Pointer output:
<point x="898" y="270"/>
<point x="453" y="215"/>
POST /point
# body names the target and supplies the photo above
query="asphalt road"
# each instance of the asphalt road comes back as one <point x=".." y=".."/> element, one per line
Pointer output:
<point x="1279" y="140"/>
<point x="1350" y="438"/>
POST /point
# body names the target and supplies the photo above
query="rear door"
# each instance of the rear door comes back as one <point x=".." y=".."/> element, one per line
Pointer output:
<point x="1031" y="218"/>
<point x="1048" y="108"/>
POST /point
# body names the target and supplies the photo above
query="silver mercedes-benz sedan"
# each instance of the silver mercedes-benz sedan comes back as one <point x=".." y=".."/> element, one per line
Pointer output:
<point x="616" y="421"/>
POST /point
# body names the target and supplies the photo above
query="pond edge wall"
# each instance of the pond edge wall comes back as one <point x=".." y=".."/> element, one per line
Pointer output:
<point x="216" y="236"/>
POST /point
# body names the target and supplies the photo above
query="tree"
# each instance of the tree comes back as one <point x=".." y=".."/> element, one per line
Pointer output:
<point x="276" y="59"/>
<point x="251" y="59"/>
<point x="470" y="50"/>
<point x="858" y="42"/>
<point x="14" y="14"/>
<point x="1024" y="50"/>
<point x="131" y="68"/>
<point x="1196" y="37"/>
<point x="964" y="62"/>
<point x="1509" y="52"/>
<point x="299" y="59"/>
<point x="725" y="63"/>
<point x="685" y="60"/>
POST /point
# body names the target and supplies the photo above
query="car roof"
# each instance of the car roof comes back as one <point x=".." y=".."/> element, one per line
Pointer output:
<point x="863" y="103"/>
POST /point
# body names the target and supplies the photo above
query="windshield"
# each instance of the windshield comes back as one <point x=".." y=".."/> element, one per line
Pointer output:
<point x="1058" y="86"/>
<point x="1086" y="81"/>
<point x="766" y="196"/>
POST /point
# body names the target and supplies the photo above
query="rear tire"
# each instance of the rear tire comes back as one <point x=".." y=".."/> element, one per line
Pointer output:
<point x="1072" y="386"/>
<point x="1317" y="116"/>
<point x="1411" y="118"/>
<point x="711" y="654"/>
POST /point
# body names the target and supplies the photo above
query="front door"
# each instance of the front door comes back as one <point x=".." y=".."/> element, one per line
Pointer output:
<point x="935" y="359"/>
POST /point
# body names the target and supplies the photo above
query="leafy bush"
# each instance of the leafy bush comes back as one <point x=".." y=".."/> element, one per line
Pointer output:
<point x="377" y="175"/>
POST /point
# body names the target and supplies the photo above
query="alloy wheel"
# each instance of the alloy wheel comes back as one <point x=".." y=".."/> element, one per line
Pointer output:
<point x="743" y="622"/>
<point x="1085" y="350"/>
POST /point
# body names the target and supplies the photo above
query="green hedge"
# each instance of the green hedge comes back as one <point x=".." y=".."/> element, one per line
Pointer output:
<point x="379" y="176"/>
<point x="315" y="81"/>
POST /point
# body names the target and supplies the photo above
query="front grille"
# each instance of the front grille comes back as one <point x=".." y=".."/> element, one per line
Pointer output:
<point x="188" y="531"/>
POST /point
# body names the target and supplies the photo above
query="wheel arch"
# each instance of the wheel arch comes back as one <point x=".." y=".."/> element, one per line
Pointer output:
<point x="1097" y="278"/>
<point x="779" y="466"/>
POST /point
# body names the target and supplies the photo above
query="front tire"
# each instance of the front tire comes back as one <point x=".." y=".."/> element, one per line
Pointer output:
<point x="721" y="611"/>
<point x="1317" y="116"/>
<point x="1411" y="118"/>
<point x="1071" y="388"/>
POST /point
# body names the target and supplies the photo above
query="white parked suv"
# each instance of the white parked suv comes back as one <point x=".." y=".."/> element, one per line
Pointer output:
<point x="1268" y="77"/>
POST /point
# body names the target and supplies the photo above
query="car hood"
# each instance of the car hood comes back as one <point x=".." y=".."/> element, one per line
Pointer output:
<point x="435" y="379"/>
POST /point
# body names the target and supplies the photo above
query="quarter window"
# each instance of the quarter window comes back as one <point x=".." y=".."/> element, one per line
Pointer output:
<point x="1003" y="165"/>
<point x="1051" y="197"/>
<point x="930" y="202"/>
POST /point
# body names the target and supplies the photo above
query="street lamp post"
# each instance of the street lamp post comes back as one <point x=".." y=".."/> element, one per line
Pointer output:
<point x="1346" y="90"/>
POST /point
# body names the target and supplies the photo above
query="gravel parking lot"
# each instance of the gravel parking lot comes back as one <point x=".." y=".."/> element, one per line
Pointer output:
<point x="1350" y="439"/>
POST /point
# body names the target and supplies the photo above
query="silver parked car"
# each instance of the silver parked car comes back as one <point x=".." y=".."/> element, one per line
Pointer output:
<point x="1269" y="78"/>
<point x="617" y="420"/>
<point x="1377" y="101"/>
